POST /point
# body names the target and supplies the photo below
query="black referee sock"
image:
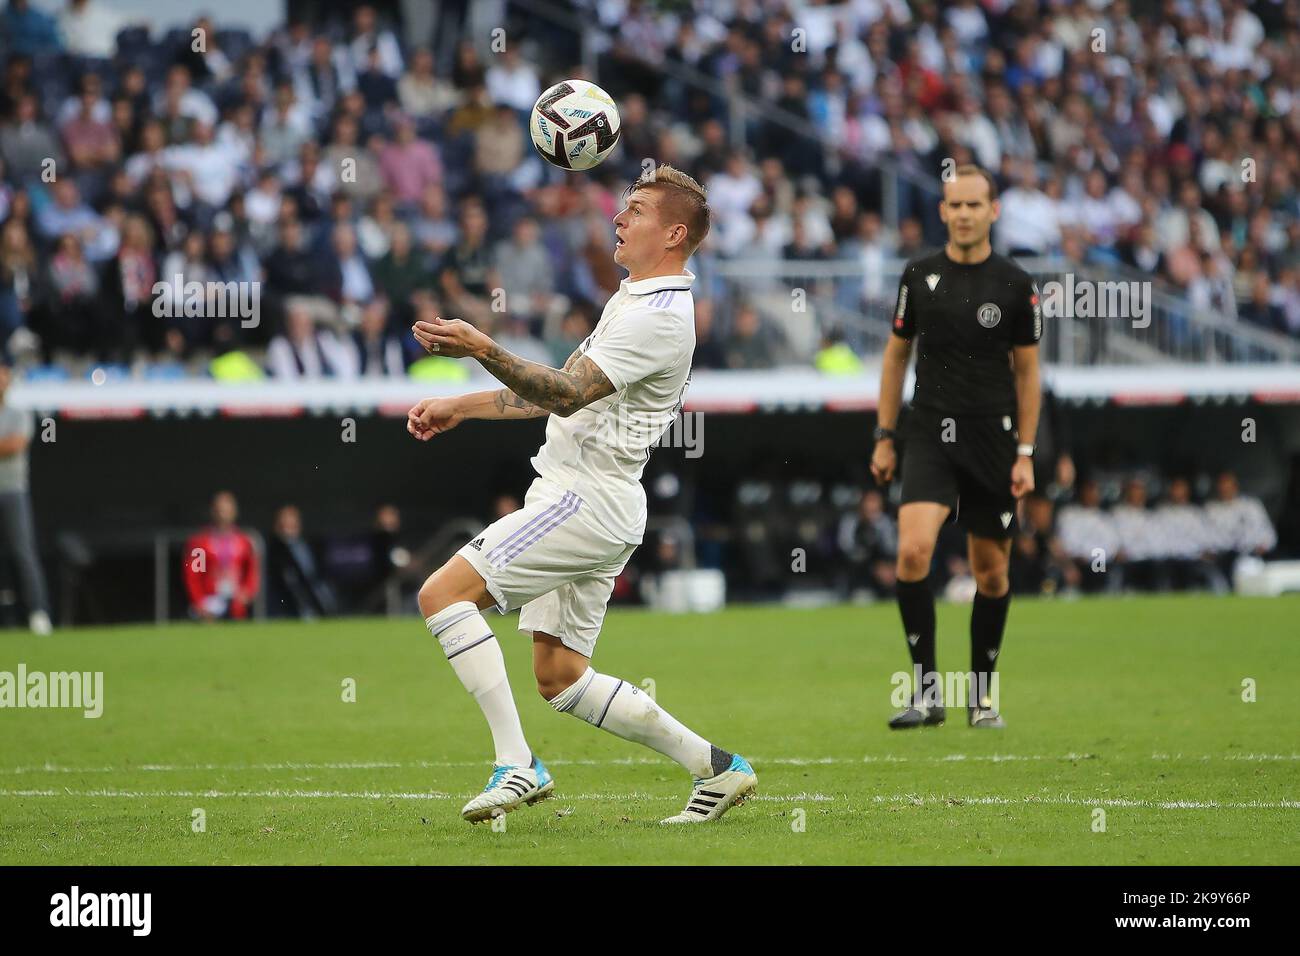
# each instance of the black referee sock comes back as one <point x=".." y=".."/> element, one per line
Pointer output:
<point x="916" y="605"/>
<point x="988" y="620"/>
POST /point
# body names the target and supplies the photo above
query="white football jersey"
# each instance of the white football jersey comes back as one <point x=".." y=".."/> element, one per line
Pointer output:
<point x="643" y="343"/>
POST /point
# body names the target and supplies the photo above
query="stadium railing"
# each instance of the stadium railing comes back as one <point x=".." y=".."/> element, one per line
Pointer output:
<point x="1140" y="320"/>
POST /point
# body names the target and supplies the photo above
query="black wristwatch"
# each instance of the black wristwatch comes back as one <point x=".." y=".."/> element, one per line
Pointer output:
<point x="882" y="432"/>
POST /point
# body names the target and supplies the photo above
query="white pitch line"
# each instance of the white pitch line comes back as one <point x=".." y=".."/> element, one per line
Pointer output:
<point x="1072" y="801"/>
<point x="620" y="762"/>
<point x="803" y="797"/>
<point x="912" y="799"/>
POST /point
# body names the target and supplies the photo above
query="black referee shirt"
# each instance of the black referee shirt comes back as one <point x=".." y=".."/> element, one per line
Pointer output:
<point x="966" y="318"/>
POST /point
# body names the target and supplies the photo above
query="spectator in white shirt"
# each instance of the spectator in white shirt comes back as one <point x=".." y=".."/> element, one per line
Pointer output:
<point x="732" y="192"/>
<point x="1242" y="33"/>
<point x="757" y="241"/>
<point x="1185" y="542"/>
<point x="208" y="169"/>
<point x="89" y="28"/>
<point x="1090" y="539"/>
<point x="1126" y="198"/>
<point x="1138" y="536"/>
<point x="304" y="351"/>
<point x="1028" y="224"/>
<point x="873" y="247"/>
<point x="853" y="60"/>
<point x="1238" y="523"/>
<point x="977" y="131"/>
<point x="512" y="81"/>
<point x="967" y="19"/>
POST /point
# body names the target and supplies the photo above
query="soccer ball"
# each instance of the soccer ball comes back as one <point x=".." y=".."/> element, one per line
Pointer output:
<point x="574" y="124"/>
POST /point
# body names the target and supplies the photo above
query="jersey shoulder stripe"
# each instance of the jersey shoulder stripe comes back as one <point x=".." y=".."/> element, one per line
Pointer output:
<point x="664" y="297"/>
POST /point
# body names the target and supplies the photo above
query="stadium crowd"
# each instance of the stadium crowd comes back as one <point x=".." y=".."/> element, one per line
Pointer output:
<point x="363" y="177"/>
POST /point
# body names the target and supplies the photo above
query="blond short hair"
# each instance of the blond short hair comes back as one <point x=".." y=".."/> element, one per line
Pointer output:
<point x="682" y="200"/>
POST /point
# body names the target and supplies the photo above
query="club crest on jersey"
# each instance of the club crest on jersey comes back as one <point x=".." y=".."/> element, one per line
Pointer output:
<point x="932" y="280"/>
<point x="989" y="315"/>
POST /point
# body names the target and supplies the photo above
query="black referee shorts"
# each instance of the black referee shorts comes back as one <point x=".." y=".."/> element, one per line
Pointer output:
<point x="963" y="462"/>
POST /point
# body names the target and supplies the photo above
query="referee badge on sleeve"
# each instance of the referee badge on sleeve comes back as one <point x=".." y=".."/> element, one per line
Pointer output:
<point x="989" y="315"/>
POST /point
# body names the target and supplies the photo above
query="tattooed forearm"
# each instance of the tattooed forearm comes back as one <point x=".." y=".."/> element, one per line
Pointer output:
<point x="510" y="405"/>
<point x="496" y="405"/>
<point x="559" y="391"/>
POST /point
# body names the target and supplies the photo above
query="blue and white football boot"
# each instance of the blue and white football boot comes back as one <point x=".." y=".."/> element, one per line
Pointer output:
<point x="713" y="797"/>
<point x="509" y="789"/>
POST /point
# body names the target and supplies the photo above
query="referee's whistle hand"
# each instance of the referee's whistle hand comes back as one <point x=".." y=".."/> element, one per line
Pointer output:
<point x="1022" y="477"/>
<point x="883" y="462"/>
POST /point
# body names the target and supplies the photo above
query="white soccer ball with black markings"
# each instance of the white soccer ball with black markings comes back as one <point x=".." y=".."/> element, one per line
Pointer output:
<point x="574" y="125"/>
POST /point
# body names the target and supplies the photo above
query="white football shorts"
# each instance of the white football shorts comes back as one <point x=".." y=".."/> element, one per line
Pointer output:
<point x="555" y="561"/>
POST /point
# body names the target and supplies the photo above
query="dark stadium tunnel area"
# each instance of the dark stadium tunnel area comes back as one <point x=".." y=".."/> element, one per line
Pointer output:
<point x="766" y="483"/>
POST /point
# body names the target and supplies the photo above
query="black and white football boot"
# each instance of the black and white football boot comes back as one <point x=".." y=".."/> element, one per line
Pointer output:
<point x="918" y="715"/>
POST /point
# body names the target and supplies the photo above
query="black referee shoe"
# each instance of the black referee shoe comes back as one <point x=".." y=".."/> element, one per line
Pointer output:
<point x="917" y="716"/>
<point x="986" y="717"/>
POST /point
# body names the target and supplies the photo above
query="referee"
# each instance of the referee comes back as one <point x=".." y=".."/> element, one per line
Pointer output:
<point x="968" y="446"/>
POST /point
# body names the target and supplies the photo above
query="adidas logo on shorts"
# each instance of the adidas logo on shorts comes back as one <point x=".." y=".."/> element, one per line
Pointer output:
<point x="477" y="544"/>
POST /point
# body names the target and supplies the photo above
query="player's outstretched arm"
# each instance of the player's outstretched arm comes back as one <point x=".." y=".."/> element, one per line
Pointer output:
<point x="558" y="391"/>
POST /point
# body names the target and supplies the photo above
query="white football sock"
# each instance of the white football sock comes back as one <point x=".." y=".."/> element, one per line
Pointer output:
<point x="628" y="712"/>
<point x="475" y="656"/>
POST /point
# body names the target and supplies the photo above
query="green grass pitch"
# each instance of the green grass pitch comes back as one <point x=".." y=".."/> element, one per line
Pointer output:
<point x="1133" y="706"/>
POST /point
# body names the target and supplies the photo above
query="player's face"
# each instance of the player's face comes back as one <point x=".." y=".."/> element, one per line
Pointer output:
<point x="967" y="211"/>
<point x="639" y="236"/>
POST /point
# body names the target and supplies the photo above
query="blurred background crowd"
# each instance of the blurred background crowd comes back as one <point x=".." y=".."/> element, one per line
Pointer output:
<point x="1120" y="534"/>
<point x="363" y="176"/>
